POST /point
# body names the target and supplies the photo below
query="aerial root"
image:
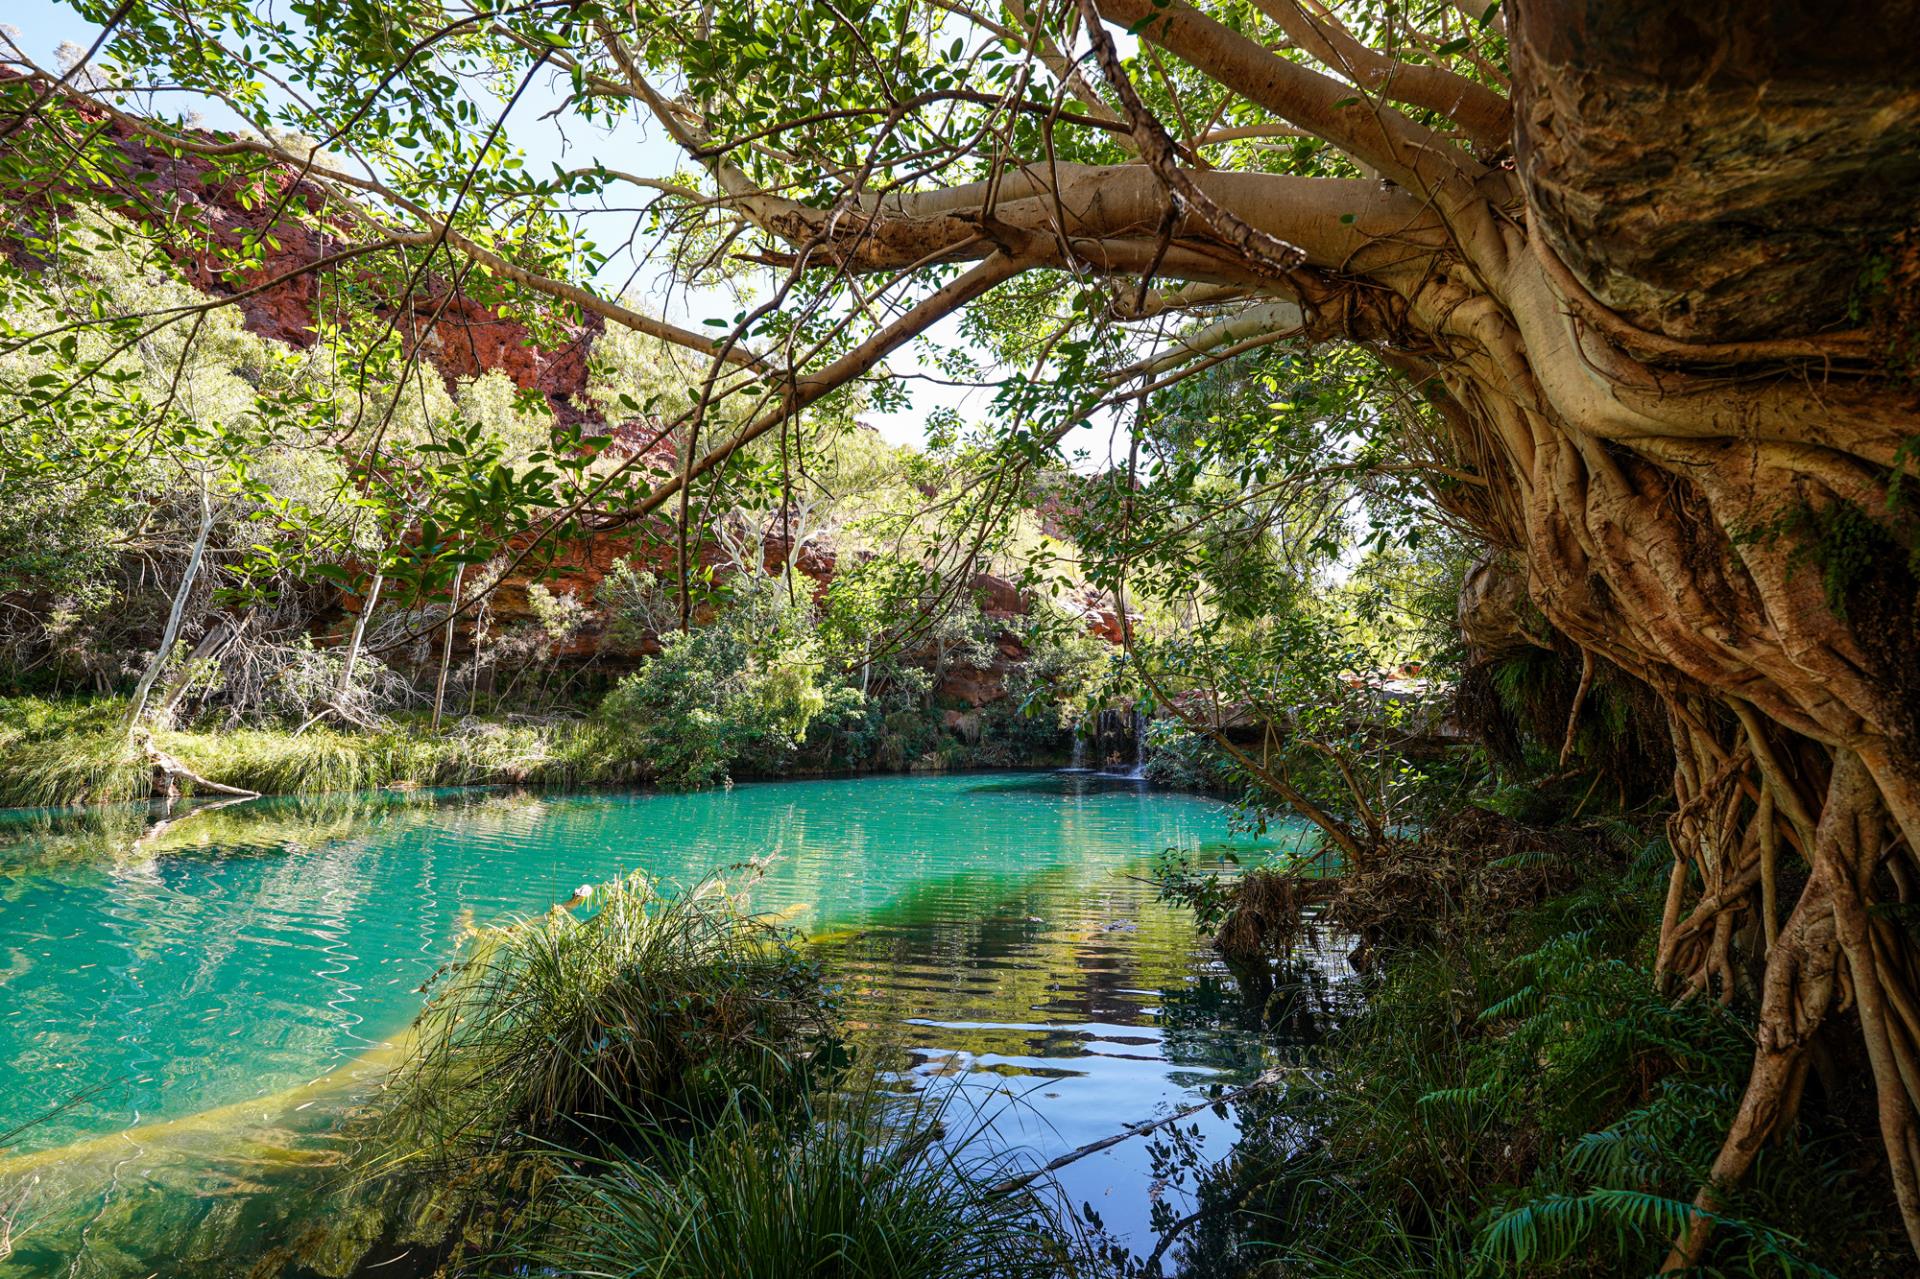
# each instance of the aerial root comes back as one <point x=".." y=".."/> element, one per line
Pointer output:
<point x="1832" y="954"/>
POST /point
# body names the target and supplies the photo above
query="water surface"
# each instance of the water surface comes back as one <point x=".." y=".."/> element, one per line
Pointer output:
<point x="995" y="929"/>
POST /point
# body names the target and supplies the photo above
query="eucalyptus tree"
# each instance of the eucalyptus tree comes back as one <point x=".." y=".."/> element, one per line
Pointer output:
<point x="1643" y="280"/>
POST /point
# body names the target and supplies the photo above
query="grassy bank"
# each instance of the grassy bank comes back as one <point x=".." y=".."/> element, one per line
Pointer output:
<point x="55" y="753"/>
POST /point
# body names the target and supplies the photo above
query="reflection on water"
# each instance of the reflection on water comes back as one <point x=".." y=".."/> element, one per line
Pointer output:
<point x="1069" y="1008"/>
<point x="992" y="933"/>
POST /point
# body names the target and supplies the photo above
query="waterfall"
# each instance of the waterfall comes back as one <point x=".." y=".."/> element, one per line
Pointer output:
<point x="1100" y="731"/>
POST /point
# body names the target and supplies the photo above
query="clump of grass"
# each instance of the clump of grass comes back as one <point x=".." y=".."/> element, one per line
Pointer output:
<point x="59" y="753"/>
<point x="857" y="1186"/>
<point x="655" y="1007"/>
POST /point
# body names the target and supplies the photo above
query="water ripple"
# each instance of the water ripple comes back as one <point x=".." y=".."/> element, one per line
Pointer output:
<point x="990" y="932"/>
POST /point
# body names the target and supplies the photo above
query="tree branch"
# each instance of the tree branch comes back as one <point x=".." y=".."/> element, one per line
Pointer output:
<point x="1382" y="138"/>
<point x="1484" y="115"/>
<point x="1156" y="147"/>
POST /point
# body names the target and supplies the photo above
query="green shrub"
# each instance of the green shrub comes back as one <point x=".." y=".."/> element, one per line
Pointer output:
<point x="1183" y="759"/>
<point x="738" y="694"/>
<point x="655" y="1007"/>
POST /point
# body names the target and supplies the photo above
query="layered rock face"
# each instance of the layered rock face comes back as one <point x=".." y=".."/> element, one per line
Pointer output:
<point x="284" y="297"/>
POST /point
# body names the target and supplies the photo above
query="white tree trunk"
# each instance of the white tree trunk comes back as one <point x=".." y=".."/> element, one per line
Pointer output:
<point x="359" y="631"/>
<point x="446" y="648"/>
<point x="172" y="632"/>
<point x="217" y="637"/>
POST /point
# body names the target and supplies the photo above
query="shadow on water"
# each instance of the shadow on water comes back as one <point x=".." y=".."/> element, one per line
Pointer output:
<point x="995" y="935"/>
<point x="1065" y="783"/>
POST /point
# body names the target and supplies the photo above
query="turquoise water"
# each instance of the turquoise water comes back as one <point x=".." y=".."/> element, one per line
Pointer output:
<point x="987" y="928"/>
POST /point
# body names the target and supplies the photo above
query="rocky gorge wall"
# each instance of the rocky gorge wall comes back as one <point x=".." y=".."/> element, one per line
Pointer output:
<point x="292" y="291"/>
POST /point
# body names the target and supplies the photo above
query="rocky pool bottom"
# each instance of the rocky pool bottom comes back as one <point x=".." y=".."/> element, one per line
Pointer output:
<point x="193" y="1014"/>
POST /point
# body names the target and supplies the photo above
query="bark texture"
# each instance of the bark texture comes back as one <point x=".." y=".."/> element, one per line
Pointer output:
<point x="1710" y="171"/>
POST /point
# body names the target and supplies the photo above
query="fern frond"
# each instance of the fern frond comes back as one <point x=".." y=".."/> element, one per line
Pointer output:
<point x="1553" y="1227"/>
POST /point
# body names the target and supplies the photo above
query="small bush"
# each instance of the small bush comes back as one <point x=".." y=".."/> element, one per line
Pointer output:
<point x="1184" y="760"/>
<point x="654" y="1007"/>
<point x="738" y="694"/>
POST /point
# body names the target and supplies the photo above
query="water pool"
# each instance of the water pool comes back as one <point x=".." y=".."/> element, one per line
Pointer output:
<point x="987" y="927"/>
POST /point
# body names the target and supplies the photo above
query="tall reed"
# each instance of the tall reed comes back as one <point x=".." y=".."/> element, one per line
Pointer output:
<point x="855" y="1185"/>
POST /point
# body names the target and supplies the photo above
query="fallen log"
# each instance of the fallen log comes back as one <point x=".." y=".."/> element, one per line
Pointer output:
<point x="169" y="772"/>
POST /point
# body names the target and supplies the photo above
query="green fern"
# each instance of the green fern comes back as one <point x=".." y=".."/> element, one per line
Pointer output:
<point x="1554" y="1228"/>
<point x="1674" y="1133"/>
<point x="1459" y="1098"/>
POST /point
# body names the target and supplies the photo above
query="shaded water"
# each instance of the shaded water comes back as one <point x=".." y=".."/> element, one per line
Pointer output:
<point x="989" y="928"/>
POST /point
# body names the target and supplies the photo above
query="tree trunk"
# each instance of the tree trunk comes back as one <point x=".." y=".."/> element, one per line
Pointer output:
<point x="446" y="648"/>
<point x="216" y="638"/>
<point x="169" y="772"/>
<point x="138" y="706"/>
<point x="479" y="637"/>
<point x="359" y="631"/>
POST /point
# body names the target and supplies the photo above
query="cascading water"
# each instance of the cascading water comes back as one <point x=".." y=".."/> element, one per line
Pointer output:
<point x="1098" y="742"/>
